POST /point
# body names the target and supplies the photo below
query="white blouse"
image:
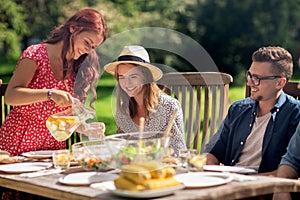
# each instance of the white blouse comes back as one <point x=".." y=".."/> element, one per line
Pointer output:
<point x="158" y="121"/>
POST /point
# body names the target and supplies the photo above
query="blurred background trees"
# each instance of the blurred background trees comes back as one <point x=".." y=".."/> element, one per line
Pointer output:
<point x="229" y="30"/>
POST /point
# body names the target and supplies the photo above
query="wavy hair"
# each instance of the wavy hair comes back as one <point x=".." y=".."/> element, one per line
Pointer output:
<point x="84" y="20"/>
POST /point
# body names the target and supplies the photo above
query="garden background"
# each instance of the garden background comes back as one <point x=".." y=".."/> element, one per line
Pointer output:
<point x="228" y="30"/>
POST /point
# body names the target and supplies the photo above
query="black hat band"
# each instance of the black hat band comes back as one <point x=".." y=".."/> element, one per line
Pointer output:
<point x="131" y="58"/>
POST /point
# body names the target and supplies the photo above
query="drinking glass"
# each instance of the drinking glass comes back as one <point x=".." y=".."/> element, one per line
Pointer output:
<point x="94" y="132"/>
<point x="61" y="158"/>
<point x="196" y="161"/>
<point x="184" y="155"/>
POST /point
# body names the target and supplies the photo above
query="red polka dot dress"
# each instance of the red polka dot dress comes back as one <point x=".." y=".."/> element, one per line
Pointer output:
<point x="25" y="126"/>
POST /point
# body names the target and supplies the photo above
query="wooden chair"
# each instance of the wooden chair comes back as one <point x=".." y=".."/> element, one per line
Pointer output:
<point x="6" y="108"/>
<point x="204" y="101"/>
<point x="290" y="88"/>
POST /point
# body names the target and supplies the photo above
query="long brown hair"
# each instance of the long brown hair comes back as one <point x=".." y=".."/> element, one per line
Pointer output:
<point x="87" y="78"/>
<point x="85" y="20"/>
<point x="128" y="105"/>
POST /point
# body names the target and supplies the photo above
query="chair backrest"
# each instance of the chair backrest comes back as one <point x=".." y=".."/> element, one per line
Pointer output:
<point x="5" y="109"/>
<point x="290" y="88"/>
<point x="204" y="101"/>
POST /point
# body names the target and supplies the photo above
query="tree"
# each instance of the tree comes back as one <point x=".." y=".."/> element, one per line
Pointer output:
<point x="231" y="30"/>
<point x="12" y="28"/>
<point x="42" y="17"/>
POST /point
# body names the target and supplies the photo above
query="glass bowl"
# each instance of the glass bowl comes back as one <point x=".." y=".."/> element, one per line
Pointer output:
<point x="151" y="146"/>
<point x="93" y="155"/>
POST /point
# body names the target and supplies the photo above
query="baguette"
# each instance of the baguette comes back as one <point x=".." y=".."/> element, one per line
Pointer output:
<point x="125" y="184"/>
<point x="158" y="169"/>
<point x="159" y="183"/>
<point x="135" y="173"/>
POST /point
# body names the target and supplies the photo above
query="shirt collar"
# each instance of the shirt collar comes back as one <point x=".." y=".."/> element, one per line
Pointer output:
<point x="280" y="101"/>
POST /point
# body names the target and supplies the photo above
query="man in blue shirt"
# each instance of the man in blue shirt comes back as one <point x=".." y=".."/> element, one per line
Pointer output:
<point x="257" y="130"/>
<point x="290" y="163"/>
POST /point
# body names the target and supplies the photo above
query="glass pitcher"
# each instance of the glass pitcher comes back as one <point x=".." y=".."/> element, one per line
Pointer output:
<point x="62" y="125"/>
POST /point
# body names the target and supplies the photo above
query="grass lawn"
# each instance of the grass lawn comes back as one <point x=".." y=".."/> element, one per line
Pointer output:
<point x="104" y="105"/>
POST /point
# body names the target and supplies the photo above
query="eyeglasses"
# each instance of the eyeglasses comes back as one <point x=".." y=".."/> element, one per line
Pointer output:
<point x="256" y="80"/>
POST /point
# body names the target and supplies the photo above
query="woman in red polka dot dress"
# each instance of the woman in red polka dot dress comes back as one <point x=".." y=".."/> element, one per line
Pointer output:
<point x="43" y="81"/>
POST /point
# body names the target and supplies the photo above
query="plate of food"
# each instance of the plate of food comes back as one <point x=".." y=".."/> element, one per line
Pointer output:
<point x="147" y="179"/>
<point x="6" y="158"/>
<point x="16" y="168"/>
<point x="147" y="193"/>
<point x="86" y="178"/>
<point x="203" y="179"/>
<point x="42" y="154"/>
<point x="235" y="169"/>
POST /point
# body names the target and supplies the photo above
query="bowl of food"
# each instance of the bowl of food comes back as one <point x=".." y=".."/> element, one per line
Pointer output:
<point x="93" y="155"/>
<point x="136" y="147"/>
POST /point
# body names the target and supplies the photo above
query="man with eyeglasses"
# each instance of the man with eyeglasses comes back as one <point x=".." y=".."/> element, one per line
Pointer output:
<point x="257" y="129"/>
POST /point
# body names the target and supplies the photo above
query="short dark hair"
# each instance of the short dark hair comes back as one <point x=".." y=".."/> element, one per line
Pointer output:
<point x="280" y="58"/>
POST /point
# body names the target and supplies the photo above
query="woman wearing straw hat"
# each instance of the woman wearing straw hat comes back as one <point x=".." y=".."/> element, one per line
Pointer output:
<point x="139" y="96"/>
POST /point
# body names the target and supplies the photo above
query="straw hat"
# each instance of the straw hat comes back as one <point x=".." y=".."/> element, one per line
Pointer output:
<point x="134" y="55"/>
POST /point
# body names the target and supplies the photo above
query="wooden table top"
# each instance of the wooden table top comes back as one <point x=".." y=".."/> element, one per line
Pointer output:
<point x="48" y="186"/>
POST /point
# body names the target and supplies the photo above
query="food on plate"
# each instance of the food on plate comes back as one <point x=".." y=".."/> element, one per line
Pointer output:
<point x="61" y="126"/>
<point x="157" y="169"/>
<point x="135" y="173"/>
<point x="149" y="175"/>
<point x="171" y="160"/>
<point x="4" y="153"/>
<point x="6" y="158"/>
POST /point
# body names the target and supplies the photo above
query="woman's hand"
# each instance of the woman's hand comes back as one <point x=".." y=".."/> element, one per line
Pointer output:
<point x="99" y="127"/>
<point x="62" y="98"/>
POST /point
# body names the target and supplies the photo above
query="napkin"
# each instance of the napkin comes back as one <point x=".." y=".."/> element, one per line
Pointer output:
<point x="41" y="173"/>
<point x="241" y="178"/>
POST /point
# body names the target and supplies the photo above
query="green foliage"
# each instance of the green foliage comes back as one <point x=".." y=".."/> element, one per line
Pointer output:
<point x="43" y="15"/>
<point x="12" y="28"/>
<point x="231" y="30"/>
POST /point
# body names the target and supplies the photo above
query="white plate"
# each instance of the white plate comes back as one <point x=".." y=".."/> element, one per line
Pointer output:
<point x="24" y="167"/>
<point x="203" y="179"/>
<point x="147" y="193"/>
<point x="86" y="178"/>
<point x="220" y="168"/>
<point x="104" y="186"/>
<point x="38" y="154"/>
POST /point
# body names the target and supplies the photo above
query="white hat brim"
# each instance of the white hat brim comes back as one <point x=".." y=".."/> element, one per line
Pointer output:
<point x="155" y="71"/>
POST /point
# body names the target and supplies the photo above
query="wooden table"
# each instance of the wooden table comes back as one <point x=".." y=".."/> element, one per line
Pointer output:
<point x="48" y="186"/>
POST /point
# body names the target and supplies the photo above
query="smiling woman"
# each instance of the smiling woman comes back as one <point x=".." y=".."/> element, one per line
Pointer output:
<point x="45" y="80"/>
<point x="51" y="69"/>
<point x="138" y="96"/>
